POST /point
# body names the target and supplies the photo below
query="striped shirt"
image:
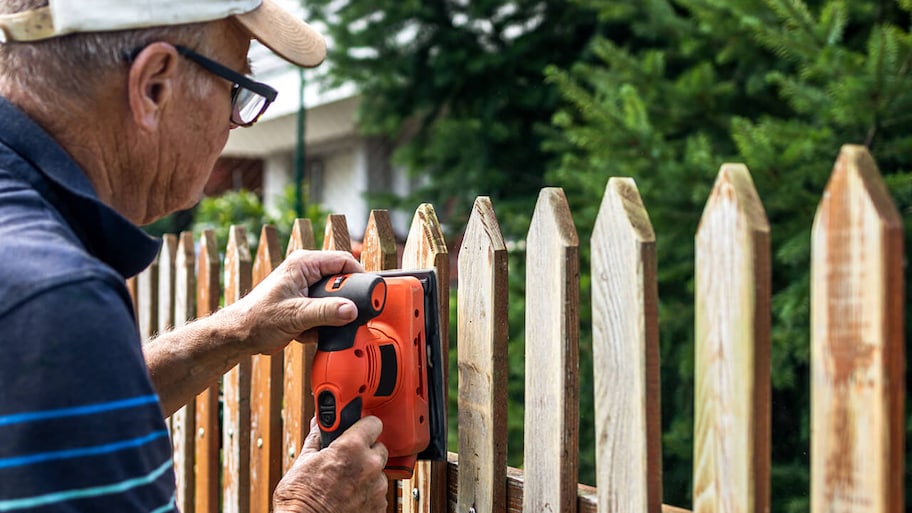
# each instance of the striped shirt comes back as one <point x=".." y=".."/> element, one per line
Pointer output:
<point x="81" y="428"/>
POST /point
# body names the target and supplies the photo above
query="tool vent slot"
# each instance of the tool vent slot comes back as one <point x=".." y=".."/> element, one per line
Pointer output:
<point x="389" y="370"/>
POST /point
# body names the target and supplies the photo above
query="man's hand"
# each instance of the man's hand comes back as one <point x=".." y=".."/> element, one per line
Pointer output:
<point x="345" y="477"/>
<point x="278" y="309"/>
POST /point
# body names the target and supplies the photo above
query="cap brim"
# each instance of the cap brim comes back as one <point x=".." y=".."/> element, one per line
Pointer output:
<point x="285" y="34"/>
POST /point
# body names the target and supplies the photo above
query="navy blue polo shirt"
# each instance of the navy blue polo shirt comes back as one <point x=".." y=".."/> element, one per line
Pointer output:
<point x="81" y="428"/>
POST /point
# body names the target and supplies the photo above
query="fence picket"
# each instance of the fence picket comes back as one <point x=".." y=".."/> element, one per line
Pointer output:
<point x="732" y="403"/>
<point x="208" y="464"/>
<point x="482" y="363"/>
<point x="336" y="236"/>
<point x="378" y="249"/>
<point x="857" y="342"/>
<point x="167" y="257"/>
<point x="552" y="357"/>
<point x="265" y="395"/>
<point x="183" y="422"/>
<point x="425" y="248"/>
<point x="236" y="425"/>
<point x="147" y="300"/>
<point x="625" y="350"/>
<point x="299" y="404"/>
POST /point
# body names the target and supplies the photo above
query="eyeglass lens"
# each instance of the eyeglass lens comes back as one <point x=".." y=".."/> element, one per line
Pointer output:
<point x="248" y="106"/>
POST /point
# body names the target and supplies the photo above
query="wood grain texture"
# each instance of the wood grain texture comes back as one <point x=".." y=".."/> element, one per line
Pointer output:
<point x="236" y="425"/>
<point x="265" y="394"/>
<point x="183" y="422"/>
<point x="207" y="456"/>
<point x="378" y="249"/>
<point x="425" y="248"/>
<point x="551" y="429"/>
<point x="732" y="403"/>
<point x="482" y="362"/>
<point x="336" y="236"/>
<point x="625" y="350"/>
<point x="857" y="343"/>
<point x="299" y="404"/>
<point x="167" y="257"/>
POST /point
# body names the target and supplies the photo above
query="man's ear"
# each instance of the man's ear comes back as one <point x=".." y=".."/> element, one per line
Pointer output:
<point x="151" y="83"/>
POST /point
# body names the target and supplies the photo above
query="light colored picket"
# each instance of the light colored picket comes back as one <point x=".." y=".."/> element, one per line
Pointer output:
<point x="378" y="247"/>
<point x="425" y="248"/>
<point x="336" y="236"/>
<point x="857" y="343"/>
<point x="299" y="404"/>
<point x="732" y="387"/>
<point x="236" y="386"/>
<point x="147" y="300"/>
<point x="183" y="422"/>
<point x="265" y="395"/>
<point x="625" y="350"/>
<point x="208" y="431"/>
<point x="551" y="445"/>
<point x="482" y="363"/>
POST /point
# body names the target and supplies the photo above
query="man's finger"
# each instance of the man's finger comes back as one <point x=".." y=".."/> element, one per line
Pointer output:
<point x="313" y="312"/>
<point x="366" y="430"/>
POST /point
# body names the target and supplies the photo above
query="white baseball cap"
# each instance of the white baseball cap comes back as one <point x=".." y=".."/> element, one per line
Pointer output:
<point x="281" y="31"/>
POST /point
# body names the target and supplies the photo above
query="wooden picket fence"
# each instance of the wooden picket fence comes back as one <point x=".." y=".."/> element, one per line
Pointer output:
<point x="857" y="353"/>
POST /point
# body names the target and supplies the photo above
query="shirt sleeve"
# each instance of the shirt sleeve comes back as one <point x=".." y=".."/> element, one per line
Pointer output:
<point x="81" y="425"/>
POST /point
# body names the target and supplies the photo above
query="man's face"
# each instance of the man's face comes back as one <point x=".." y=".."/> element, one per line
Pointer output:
<point x="197" y="131"/>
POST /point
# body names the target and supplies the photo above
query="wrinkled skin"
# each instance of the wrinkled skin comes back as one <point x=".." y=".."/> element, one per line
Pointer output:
<point x="345" y="477"/>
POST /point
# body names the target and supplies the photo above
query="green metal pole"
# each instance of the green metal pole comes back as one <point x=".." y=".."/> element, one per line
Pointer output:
<point x="300" y="157"/>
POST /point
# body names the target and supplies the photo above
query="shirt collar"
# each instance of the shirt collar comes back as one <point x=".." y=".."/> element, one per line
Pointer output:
<point x="105" y="233"/>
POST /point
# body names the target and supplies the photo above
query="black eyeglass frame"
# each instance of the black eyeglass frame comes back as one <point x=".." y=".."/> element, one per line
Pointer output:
<point x="238" y="81"/>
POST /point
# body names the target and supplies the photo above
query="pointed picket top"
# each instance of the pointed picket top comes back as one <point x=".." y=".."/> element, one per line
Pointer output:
<point x="552" y="357"/>
<point x="425" y="248"/>
<point x="236" y="425"/>
<point x="299" y="405"/>
<point x="625" y="350"/>
<point x="483" y="366"/>
<point x="207" y="455"/>
<point x="857" y="342"/>
<point x="183" y="422"/>
<point x="378" y="248"/>
<point x="265" y="394"/>
<point x="336" y="236"/>
<point x="732" y="349"/>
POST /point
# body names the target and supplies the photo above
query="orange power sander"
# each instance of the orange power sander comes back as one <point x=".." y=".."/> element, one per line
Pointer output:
<point x="385" y="363"/>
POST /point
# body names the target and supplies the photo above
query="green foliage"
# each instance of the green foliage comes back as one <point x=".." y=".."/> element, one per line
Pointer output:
<point x="244" y="208"/>
<point x="679" y="87"/>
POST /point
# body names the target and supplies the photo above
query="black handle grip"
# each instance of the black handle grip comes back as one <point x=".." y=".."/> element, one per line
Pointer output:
<point x="361" y="289"/>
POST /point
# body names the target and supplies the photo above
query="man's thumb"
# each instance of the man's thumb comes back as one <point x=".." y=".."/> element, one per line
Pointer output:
<point x="326" y="312"/>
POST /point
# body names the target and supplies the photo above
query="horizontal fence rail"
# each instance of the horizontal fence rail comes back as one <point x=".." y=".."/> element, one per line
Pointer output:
<point x="233" y="442"/>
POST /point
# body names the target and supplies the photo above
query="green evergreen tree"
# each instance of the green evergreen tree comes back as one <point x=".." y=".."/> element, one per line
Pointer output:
<point x="681" y="86"/>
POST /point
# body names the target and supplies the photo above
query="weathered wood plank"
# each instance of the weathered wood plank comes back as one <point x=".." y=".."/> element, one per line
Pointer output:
<point x="207" y="454"/>
<point x="551" y="424"/>
<point x="857" y="343"/>
<point x="625" y="350"/>
<point x="482" y="363"/>
<point x="732" y="403"/>
<point x="299" y="404"/>
<point x="336" y="236"/>
<point x="378" y="249"/>
<point x="167" y="257"/>
<point x="183" y="422"/>
<point x="265" y="395"/>
<point x="425" y="248"/>
<point x="236" y="425"/>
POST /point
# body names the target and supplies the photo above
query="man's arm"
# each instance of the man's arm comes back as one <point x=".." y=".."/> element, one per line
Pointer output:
<point x="183" y="362"/>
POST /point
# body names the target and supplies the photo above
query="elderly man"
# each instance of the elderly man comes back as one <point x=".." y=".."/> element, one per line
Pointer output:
<point x="112" y="115"/>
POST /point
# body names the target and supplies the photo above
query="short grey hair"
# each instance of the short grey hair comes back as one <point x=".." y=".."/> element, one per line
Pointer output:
<point x="74" y="66"/>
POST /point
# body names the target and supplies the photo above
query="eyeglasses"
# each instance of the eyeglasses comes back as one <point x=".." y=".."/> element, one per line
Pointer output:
<point x="249" y="99"/>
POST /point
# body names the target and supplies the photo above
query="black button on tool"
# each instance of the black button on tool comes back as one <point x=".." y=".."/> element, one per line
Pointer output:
<point x="338" y="282"/>
<point x="326" y="403"/>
